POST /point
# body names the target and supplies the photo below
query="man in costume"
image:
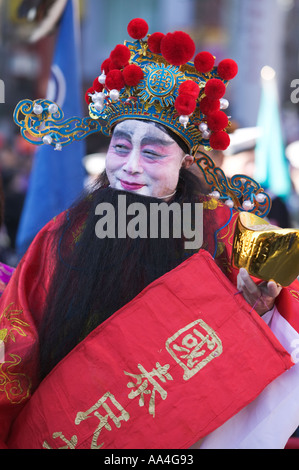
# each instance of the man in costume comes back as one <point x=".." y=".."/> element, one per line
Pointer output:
<point x="141" y="341"/>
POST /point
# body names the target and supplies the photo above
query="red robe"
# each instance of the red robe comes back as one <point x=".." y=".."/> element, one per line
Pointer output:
<point x="166" y="370"/>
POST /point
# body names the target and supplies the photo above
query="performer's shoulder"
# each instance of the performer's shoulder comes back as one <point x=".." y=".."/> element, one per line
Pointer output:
<point x="56" y="222"/>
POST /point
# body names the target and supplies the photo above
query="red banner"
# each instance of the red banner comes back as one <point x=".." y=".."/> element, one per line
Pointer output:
<point x="164" y="371"/>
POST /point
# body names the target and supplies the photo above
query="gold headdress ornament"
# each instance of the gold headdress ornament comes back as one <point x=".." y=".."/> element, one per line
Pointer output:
<point x="153" y="78"/>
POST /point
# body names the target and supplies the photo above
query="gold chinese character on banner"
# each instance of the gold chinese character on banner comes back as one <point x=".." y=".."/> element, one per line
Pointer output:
<point x="147" y="385"/>
<point x="194" y="346"/>
<point x="69" y="444"/>
<point x="110" y="406"/>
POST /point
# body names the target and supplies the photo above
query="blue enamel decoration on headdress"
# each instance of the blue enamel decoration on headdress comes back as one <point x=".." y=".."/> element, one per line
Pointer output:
<point x="160" y="84"/>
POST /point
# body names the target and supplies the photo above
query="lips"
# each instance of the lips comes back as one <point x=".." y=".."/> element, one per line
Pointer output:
<point x="130" y="186"/>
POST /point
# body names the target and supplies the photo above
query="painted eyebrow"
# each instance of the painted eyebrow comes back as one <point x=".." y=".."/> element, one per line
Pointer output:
<point x="122" y="134"/>
<point x="156" y="141"/>
<point x="145" y="141"/>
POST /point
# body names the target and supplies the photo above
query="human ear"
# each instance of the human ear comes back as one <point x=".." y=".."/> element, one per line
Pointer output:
<point x="187" y="161"/>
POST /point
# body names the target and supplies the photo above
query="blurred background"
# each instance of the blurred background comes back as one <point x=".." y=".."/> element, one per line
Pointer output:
<point x="37" y="59"/>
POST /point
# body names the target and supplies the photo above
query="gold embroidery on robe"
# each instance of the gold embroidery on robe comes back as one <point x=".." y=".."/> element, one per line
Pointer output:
<point x="15" y="385"/>
<point x="17" y="325"/>
<point x="78" y="233"/>
<point x="294" y="293"/>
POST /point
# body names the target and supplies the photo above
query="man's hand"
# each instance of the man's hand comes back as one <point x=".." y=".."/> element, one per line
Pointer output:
<point x="261" y="297"/>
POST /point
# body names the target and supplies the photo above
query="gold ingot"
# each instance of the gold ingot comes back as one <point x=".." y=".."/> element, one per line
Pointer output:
<point x="267" y="252"/>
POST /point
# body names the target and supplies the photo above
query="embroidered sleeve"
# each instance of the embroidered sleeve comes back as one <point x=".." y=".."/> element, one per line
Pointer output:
<point x="21" y="308"/>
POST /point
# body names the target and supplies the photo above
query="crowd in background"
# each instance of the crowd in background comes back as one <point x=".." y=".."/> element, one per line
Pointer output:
<point x="16" y="158"/>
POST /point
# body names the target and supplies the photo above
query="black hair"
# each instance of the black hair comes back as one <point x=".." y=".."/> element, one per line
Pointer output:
<point x="173" y="135"/>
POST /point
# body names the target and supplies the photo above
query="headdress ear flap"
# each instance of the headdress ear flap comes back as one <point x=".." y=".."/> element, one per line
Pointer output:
<point x="41" y="122"/>
<point x="241" y="192"/>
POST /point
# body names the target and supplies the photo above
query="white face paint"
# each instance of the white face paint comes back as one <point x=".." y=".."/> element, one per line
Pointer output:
<point x="144" y="159"/>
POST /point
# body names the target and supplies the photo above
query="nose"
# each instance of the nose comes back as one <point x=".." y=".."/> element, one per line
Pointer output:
<point x="133" y="163"/>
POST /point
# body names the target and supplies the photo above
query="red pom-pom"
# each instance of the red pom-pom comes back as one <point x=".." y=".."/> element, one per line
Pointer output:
<point x="120" y="56"/>
<point x="185" y="105"/>
<point x="132" y="74"/>
<point x="217" y="121"/>
<point x="189" y="87"/>
<point x="87" y="97"/>
<point x="115" y="80"/>
<point x="97" y="86"/>
<point x="177" y="48"/>
<point x="204" y="62"/>
<point x="208" y="105"/>
<point x="227" y="69"/>
<point x="106" y="66"/>
<point x="219" y="140"/>
<point x="154" y="42"/>
<point x="215" y="89"/>
<point x="137" y="28"/>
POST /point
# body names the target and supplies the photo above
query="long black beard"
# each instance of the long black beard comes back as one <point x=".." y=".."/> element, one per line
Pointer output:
<point x="98" y="276"/>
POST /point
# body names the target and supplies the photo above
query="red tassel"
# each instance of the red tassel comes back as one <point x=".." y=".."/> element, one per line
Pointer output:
<point x="154" y="42"/>
<point x="177" y="48"/>
<point x="132" y="74"/>
<point x="204" y="62"/>
<point x="115" y="80"/>
<point x="189" y="87"/>
<point x="106" y="66"/>
<point x="215" y="89"/>
<point x="217" y="121"/>
<point x="219" y="140"/>
<point x="87" y="97"/>
<point x="208" y="105"/>
<point x="185" y="105"/>
<point x="227" y="69"/>
<point x="137" y="28"/>
<point x="120" y="56"/>
<point x="97" y="86"/>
